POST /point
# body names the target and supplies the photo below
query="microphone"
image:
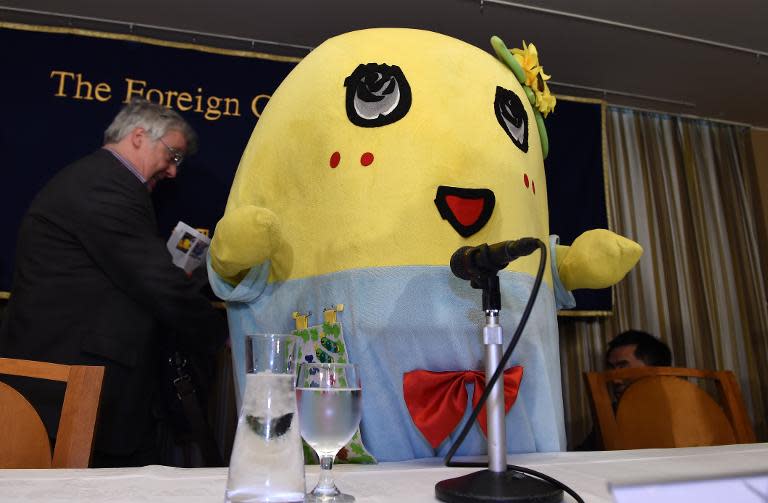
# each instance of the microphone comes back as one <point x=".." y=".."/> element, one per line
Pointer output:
<point x="485" y="260"/>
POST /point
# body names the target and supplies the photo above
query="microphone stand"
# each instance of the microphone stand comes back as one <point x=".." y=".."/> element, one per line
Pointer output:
<point x="492" y="339"/>
<point x="497" y="483"/>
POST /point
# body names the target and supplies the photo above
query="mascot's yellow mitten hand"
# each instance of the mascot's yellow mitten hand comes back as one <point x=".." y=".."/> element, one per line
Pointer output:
<point x="597" y="259"/>
<point x="245" y="237"/>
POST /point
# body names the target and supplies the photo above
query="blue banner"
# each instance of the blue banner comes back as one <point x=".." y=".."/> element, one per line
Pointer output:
<point x="61" y="88"/>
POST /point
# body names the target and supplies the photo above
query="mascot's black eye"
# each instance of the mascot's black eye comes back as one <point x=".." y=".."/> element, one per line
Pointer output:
<point x="512" y="117"/>
<point x="377" y="95"/>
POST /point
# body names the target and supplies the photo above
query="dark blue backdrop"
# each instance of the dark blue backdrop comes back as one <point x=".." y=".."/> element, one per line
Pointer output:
<point x="575" y="182"/>
<point x="41" y="132"/>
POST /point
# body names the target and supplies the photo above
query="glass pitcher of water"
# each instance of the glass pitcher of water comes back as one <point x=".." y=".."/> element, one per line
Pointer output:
<point x="267" y="463"/>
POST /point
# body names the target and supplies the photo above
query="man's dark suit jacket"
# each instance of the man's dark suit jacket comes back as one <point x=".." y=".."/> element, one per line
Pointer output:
<point x="94" y="284"/>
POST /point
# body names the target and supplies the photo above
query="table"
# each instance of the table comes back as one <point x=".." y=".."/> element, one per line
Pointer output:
<point x="586" y="472"/>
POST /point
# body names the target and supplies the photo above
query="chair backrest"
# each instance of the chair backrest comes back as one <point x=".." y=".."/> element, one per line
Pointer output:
<point x="23" y="438"/>
<point x="662" y="408"/>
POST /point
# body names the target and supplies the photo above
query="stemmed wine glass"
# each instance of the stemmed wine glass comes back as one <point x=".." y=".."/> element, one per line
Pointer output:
<point x="329" y="412"/>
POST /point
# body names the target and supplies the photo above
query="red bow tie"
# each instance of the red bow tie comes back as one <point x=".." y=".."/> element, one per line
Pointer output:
<point x="437" y="400"/>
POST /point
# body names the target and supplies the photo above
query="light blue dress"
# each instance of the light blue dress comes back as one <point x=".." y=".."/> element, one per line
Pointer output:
<point x="399" y="319"/>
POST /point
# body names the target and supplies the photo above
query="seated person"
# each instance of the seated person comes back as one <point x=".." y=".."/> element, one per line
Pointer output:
<point x="634" y="348"/>
<point x="629" y="349"/>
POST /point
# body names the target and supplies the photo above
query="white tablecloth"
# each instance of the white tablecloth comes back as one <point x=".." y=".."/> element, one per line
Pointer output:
<point x="588" y="473"/>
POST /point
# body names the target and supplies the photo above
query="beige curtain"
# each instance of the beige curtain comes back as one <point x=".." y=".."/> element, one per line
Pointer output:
<point x="685" y="190"/>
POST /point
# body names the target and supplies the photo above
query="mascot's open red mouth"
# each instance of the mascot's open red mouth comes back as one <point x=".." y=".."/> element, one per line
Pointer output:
<point x="467" y="210"/>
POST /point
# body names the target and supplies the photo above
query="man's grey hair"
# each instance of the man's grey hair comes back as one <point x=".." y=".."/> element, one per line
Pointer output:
<point x="157" y="120"/>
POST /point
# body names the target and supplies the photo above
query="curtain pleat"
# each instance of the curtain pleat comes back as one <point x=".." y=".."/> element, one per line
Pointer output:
<point x="684" y="189"/>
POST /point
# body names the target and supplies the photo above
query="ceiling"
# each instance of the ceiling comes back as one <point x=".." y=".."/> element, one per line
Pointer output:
<point x="692" y="57"/>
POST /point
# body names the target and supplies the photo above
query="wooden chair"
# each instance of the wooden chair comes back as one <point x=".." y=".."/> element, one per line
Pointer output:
<point x="662" y="408"/>
<point x="24" y="441"/>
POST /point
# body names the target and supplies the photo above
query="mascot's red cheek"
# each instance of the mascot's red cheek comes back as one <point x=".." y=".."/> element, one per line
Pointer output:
<point x="366" y="159"/>
<point x="335" y="159"/>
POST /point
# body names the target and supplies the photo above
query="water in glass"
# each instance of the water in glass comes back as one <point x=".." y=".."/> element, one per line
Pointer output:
<point x="329" y="417"/>
<point x="329" y="410"/>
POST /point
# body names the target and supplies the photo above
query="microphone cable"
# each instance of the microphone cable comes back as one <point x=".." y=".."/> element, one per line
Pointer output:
<point x="495" y="377"/>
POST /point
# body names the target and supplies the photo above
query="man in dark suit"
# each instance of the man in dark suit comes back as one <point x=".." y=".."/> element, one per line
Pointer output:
<point x="94" y="283"/>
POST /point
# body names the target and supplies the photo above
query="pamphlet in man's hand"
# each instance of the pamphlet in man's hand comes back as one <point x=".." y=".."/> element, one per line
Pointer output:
<point x="188" y="246"/>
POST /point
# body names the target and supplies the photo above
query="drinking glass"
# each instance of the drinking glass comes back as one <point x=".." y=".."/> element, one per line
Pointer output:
<point x="267" y="463"/>
<point x="329" y="412"/>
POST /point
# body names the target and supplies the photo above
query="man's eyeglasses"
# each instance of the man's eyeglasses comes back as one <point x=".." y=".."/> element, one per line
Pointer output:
<point x="176" y="155"/>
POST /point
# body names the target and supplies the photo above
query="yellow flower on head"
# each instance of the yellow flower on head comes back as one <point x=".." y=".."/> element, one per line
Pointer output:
<point x="535" y="78"/>
<point x="528" y="58"/>
<point x="545" y="101"/>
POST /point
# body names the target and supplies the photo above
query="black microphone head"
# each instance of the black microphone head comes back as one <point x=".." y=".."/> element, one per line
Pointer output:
<point x="460" y="263"/>
<point x="521" y="247"/>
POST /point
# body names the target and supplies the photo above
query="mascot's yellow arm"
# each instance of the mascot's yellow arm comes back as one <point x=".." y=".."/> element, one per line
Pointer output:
<point x="245" y="237"/>
<point x="597" y="259"/>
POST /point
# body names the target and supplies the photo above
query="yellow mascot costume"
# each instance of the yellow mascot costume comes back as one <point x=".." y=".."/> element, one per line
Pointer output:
<point x="382" y="153"/>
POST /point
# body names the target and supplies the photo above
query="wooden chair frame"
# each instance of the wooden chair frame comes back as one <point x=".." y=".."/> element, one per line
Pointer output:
<point x="604" y="414"/>
<point x="74" y="440"/>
